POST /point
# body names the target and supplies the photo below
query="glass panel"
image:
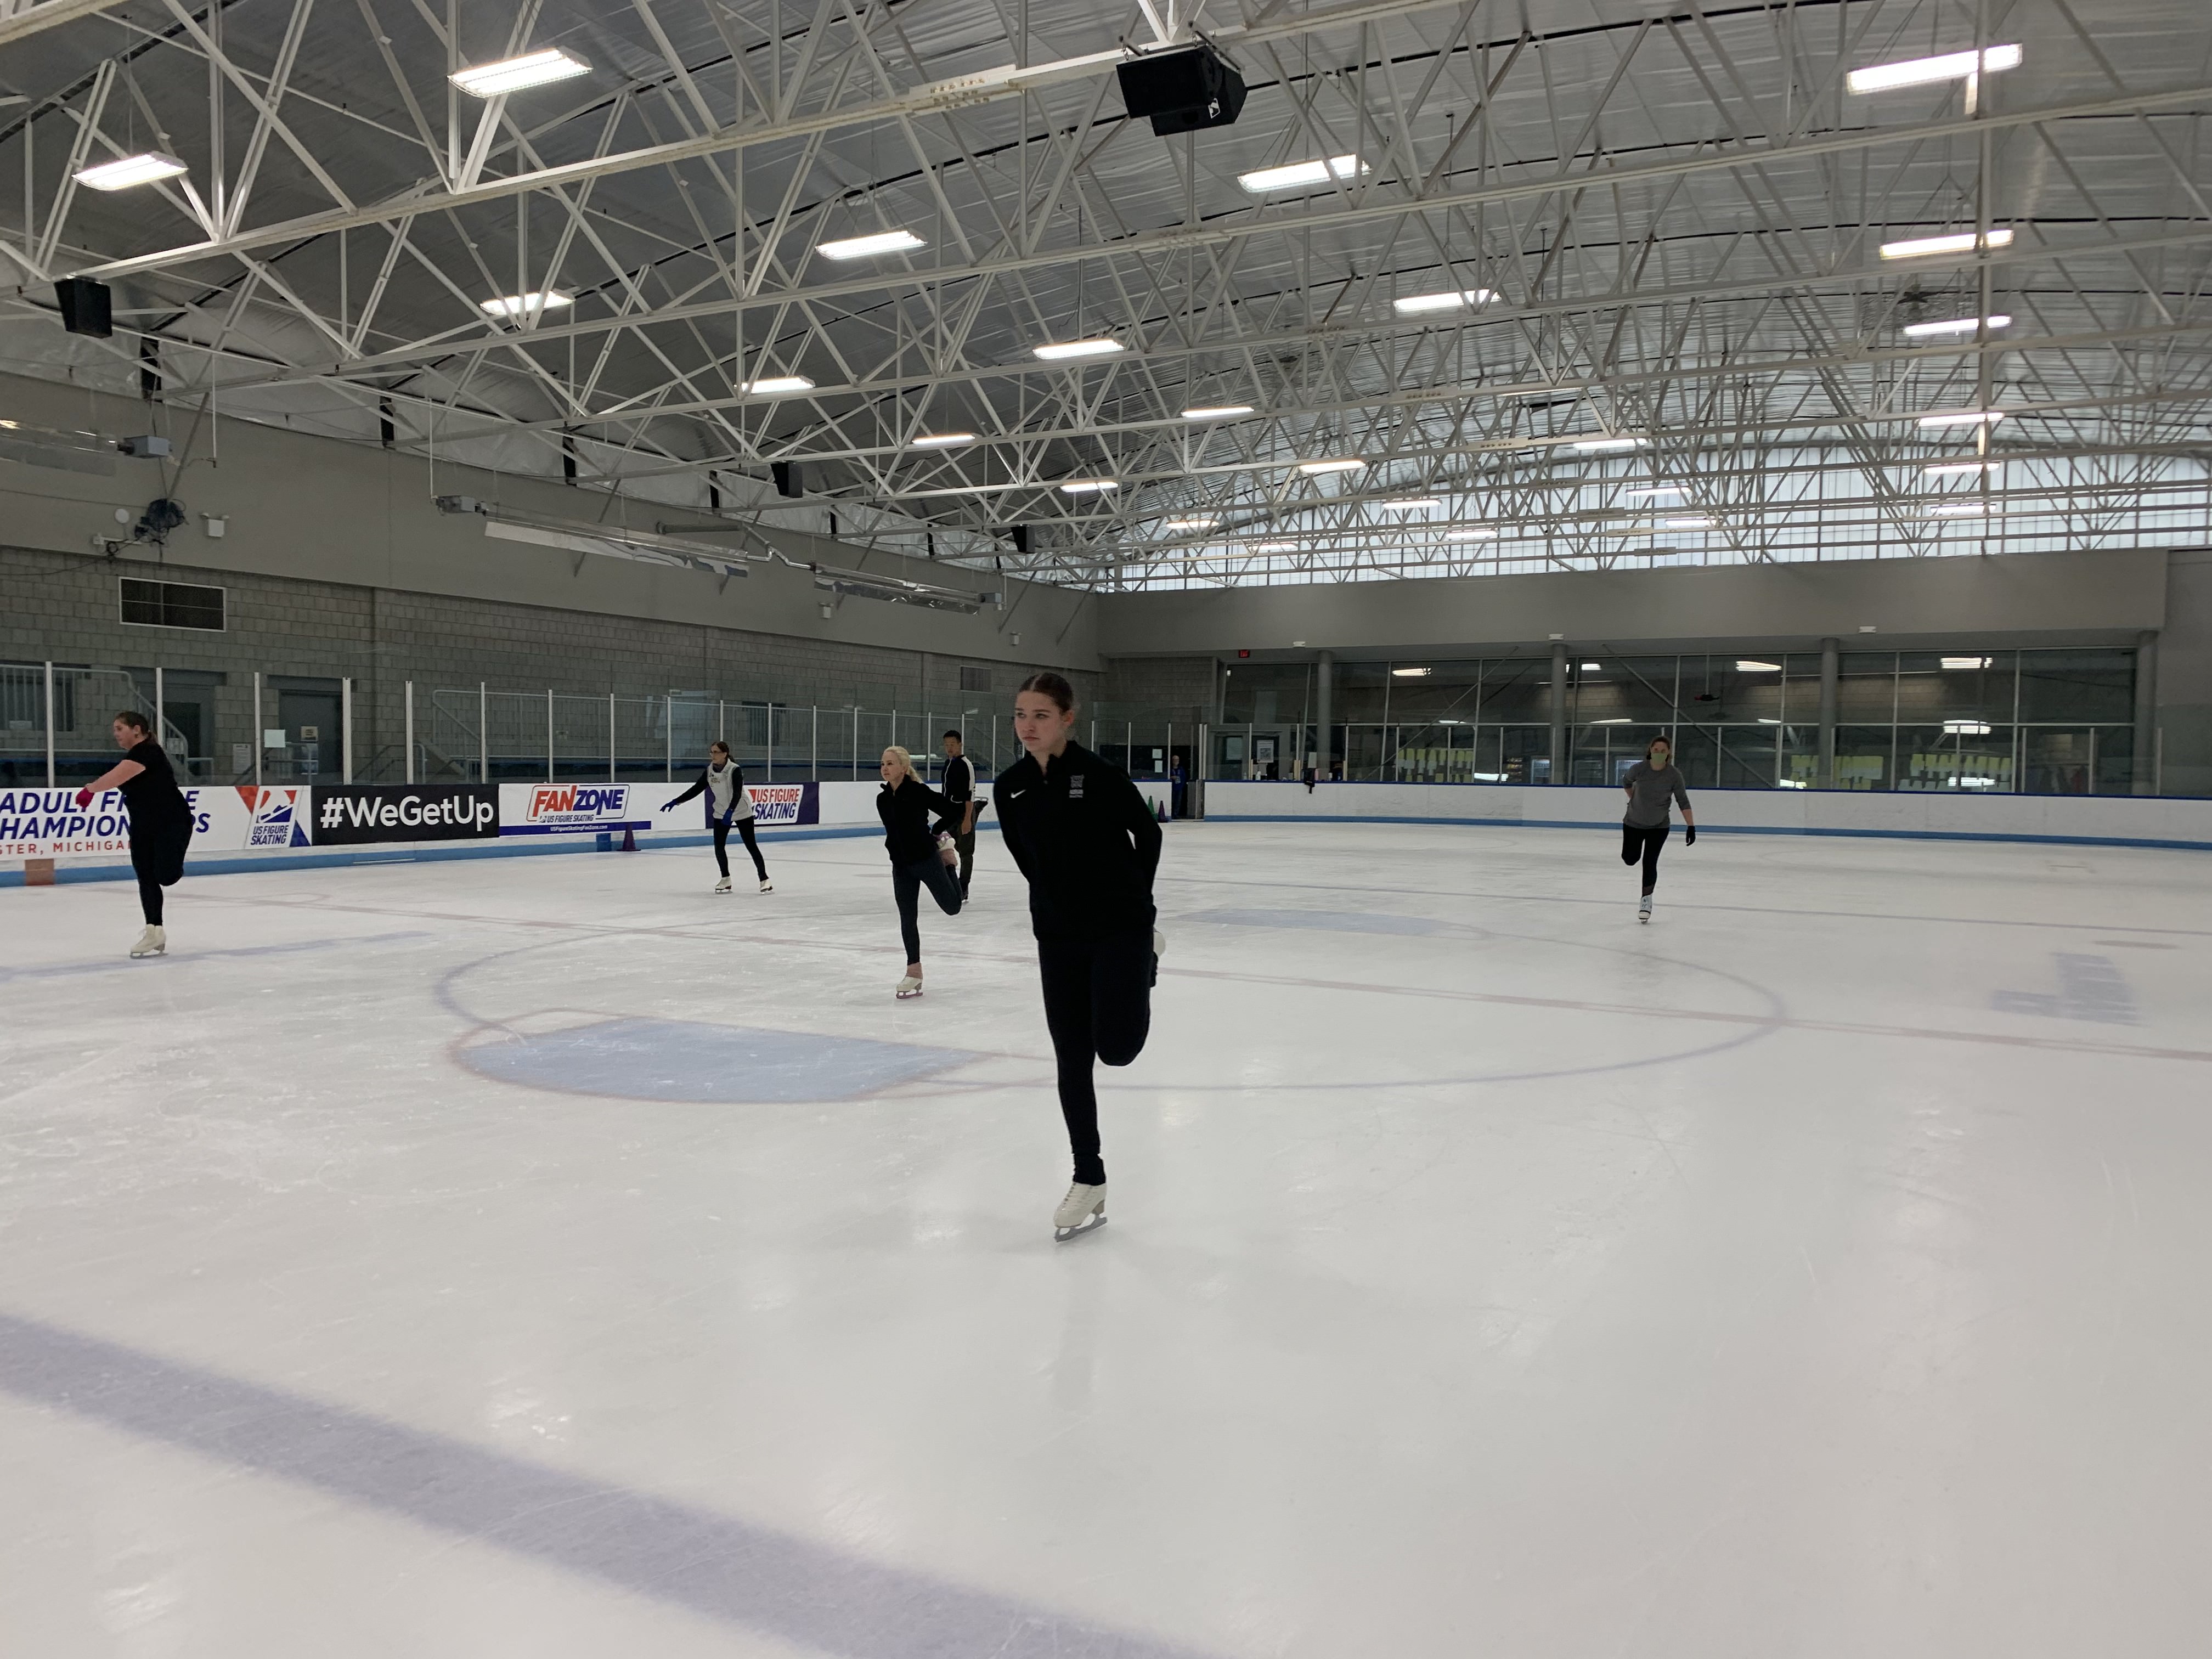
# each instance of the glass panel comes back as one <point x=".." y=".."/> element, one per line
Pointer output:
<point x="1934" y="687"/>
<point x="1638" y="689"/>
<point x="1964" y="756"/>
<point x="2077" y="685"/>
<point x="2057" y="761"/>
<point x="1866" y="689"/>
<point x="1518" y="688"/>
<point x="1862" y="757"/>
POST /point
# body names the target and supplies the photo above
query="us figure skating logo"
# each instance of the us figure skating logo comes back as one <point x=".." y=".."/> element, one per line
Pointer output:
<point x="778" y="803"/>
<point x="277" y="820"/>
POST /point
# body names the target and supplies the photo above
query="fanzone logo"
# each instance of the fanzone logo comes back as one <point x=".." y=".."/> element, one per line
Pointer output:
<point x="578" y="803"/>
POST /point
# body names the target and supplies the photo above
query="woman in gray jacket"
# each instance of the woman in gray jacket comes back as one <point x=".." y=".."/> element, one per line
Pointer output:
<point x="723" y="783"/>
<point x="1654" y="785"/>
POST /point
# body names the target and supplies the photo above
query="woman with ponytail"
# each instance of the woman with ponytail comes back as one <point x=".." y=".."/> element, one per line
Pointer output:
<point x="920" y="855"/>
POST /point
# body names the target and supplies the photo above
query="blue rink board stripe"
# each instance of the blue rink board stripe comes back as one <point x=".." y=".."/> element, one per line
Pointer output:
<point x="1726" y="830"/>
<point x="401" y="853"/>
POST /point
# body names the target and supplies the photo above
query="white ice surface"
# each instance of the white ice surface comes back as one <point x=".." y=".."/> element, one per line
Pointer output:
<point x="1822" y="1272"/>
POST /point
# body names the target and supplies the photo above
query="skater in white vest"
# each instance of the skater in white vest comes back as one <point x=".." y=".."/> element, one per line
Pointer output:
<point x="722" y="781"/>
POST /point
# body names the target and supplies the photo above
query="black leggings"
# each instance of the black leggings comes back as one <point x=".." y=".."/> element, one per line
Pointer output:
<point x="745" y="827"/>
<point x="907" y="881"/>
<point x="159" y="863"/>
<point x="1097" y="1002"/>
<point x="1642" y="843"/>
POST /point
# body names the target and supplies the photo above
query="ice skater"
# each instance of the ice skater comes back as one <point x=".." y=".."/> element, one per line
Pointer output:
<point x="1088" y="846"/>
<point x="1653" y="784"/>
<point x="722" y="781"/>
<point x="920" y="856"/>
<point x="959" y="782"/>
<point x="161" y="820"/>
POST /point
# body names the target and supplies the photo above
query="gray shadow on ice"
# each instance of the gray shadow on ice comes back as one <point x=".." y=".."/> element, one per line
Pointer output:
<point x="773" y="1582"/>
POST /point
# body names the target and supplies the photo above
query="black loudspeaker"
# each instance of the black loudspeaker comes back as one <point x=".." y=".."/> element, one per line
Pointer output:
<point x="1021" y="535"/>
<point x="1182" y="91"/>
<point x="87" y="307"/>
<point x="785" y="474"/>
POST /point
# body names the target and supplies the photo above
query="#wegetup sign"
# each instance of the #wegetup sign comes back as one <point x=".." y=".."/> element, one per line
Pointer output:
<point x="48" y="823"/>
<point x="349" y="814"/>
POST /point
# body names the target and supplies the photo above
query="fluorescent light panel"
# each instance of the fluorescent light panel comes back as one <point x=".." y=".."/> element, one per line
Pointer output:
<point x="1915" y="247"/>
<point x="1215" y="411"/>
<point x="1316" y="468"/>
<point x="532" y="69"/>
<point x="1408" y="504"/>
<point x="1413" y="673"/>
<point x="1059" y="350"/>
<point x="1595" y="445"/>
<point x="1089" y="486"/>
<point x="1647" y="493"/>
<point x="142" y="169"/>
<point x="1752" y="666"/>
<point x="520" y="304"/>
<point x="1950" y="469"/>
<point x="1193" y="523"/>
<point x="1293" y="174"/>
<point x="1968" y="728"/>
<point x="1687" y="523"/>
<point x="1924" y="72"/>
<point x="942" y="439"/>
<point x="1592" y="667"/>
<point x="1954" y="325"/>
<point x="773" y="385"/>
<point x="1471" y="534"/>
<point x="1413" y="305"/>
<point x="1966" y="662"/>
<point x="859" y="248"/>
<point x="1963" y="417"/>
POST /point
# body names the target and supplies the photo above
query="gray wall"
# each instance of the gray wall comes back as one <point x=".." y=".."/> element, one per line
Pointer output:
<point x="2185" y="675"/>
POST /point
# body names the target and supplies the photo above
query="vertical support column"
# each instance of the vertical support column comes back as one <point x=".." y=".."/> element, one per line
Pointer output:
<point x="483" y="733"/>
<point x="814" y="741"/>
<point x="668" y="733"/>
<point x="1324" y="737"/>
<point x="610" y="737"/>
<point x="1824" y="775"/>
<point x="853" y="769"/>
<point x="769" y="775"/>
<point x="160" y="705"/>
<point x="345" y="730"/>
<point x="258" y="734"/>
<point x="410" y="706"/>
<point x="2146" y="755"/>
<point x="50" y="719"/>
<point x="549" y="734"/>
<point x="1559" y="770"/>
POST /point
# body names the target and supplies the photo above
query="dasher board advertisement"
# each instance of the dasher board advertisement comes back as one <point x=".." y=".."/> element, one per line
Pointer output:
<point x="47" y="823"/>
<point x="573" y="809"/>
<point x="348" y="814"/>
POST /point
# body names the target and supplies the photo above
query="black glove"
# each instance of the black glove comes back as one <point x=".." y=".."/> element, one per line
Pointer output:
<point x="1690" y="834"/>
<point x="668" y="806"/>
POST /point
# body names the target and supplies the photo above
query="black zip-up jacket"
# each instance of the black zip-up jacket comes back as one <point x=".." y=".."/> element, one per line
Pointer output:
<point x="1086" y="840"/>
<point x="905" y="811"/>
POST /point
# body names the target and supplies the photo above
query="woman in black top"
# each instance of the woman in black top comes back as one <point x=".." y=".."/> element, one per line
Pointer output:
<point x="905" y="804"/>
<point x="161" y="820"/>
<point x="1084" y="838"/>
<point x="722" y="781"/>
<point x="1653" y="785"/>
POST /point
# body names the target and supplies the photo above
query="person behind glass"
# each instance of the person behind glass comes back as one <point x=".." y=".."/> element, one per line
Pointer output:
<point x="161" y="820"/>
<point x="959" y="788"/>
<point x="920" y="855"/>
<point x="722" y="781"/>
<point x="1088" y="846"/>
<point x="1653" y="784"/>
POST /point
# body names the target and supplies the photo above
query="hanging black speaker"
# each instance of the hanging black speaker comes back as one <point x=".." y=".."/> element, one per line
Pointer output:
<point x="785" y="474"/>
<point x="1182" y="91"/>
<point x="87" y="307"/>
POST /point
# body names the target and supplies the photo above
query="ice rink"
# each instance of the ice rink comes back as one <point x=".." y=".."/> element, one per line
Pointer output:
<point x="539" y="1256"/>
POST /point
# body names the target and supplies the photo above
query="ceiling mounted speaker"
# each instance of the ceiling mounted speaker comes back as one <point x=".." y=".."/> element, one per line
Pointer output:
<point x="88" y="308"/>
<point x="1182" y="91"/>
<point x="785" y="474"/>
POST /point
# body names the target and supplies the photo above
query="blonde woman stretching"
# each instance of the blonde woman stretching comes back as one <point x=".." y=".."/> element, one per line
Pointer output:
<point x="905" y="804"/>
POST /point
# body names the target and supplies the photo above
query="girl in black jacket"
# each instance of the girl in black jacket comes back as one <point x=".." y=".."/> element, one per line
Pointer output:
<point x="905" y="804"/>
<point x="1083" y="836"/>
<point x="723" y="783"/>
<point x="162" y="820"/>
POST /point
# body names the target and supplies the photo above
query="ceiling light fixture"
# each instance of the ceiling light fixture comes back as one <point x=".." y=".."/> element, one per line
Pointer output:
<point x="1408" y="504"/>
<point x="523" y="305"/>
<point x="1471" y="534"/>
<point x="1923" y="71"/>
<point x="1596" y="446"/>
<point x="776" y="385"/>
<point x="1215" y="411"/>
<point x="1290" y="177"/>
<point x="1272" y="547"/>
<point x="143" y="169"/>
<point x="1966" y="241"/>
<point x="532" y="69"/>
<point x="1966" y="662"/>
<point x="1592" y="667"/>
<point x="1687" y="523"/>
<point x="1192" y="523"/>
<point x="1650" y="491"/>
<point x="1752" y="666"/>
<point x="1963" y="417"/>
<point x="940" y="440"/>
<point x="1314" y="469"/>
<point x="1958" y="510"/>
<point x="859" y="248"/>
<point x="1060" y="350"/>
<point x="1967" y="728"/>
<point x="1952" y="468"/>
<point x="1413" y="305"/>
<point x="1089" y="486"/>
<point x="1954" y="325"/>
<point x="1413" y="673"/>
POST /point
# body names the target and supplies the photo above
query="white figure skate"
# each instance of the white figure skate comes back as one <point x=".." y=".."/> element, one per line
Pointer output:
<point x="1083" y="1211"/>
